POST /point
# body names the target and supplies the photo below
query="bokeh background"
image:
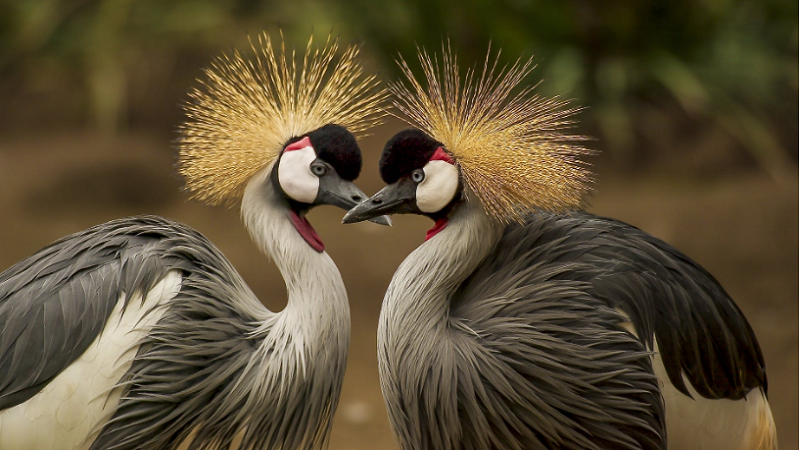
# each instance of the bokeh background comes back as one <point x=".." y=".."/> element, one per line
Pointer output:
<point x="693" y="105"/>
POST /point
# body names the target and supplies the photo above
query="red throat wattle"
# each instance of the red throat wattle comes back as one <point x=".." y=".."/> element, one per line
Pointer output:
<point x="305" y="229"/>
<point x="437" y="227"/>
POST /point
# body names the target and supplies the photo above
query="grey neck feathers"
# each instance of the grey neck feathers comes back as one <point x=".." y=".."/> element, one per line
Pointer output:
<point x="421" y="288"/>
<point x="310" y="337"/>
<point x="414" y="325"/>
<point x="316" y="293"/>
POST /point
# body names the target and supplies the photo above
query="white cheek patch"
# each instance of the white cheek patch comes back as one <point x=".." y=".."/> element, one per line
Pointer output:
<point x="439" y="186"/>
<point x="295" y="177"/>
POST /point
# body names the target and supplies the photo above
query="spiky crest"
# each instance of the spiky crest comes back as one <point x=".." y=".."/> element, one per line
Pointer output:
<point x="249" y="106"/>
<point x="510" y="148"/>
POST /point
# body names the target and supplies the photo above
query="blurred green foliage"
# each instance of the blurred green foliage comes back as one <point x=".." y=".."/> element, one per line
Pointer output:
<point x="698" y="64"/>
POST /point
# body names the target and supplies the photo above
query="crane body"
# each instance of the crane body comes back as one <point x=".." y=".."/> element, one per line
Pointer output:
<point x="526" y="328"/>
<point x="162" y="315"/>
<point x="138" y="334"/>
<point x="524" y="322"/>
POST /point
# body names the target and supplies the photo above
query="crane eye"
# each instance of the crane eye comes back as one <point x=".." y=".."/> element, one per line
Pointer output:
<point x="418" y="175"/>
<point x="319" y="169"/>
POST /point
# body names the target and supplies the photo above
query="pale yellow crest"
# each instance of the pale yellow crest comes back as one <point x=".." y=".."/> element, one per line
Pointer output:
<point x="510" y="147"/>
<point x="249" y="105"/>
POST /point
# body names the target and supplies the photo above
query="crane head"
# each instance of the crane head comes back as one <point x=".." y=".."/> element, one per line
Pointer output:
<point x="266" y="116"/>
<point x="252" y="104"/>
<point x="315" y="168"/>
<point x="422" y="178"/>
<point x="319" y="169"/>
<point x="508" y="144"/>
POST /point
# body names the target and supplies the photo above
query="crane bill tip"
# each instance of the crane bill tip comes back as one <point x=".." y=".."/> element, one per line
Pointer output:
<point x="382" y="220"/>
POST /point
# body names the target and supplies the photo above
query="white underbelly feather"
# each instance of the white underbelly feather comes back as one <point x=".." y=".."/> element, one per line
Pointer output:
<point x="705" y="424"/>
<point x="698" y="423"/>
<point x="68" y="412"/>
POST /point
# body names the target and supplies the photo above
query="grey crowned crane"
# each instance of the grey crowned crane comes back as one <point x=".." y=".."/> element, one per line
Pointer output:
<point x="139" y="334"/>
<point x="525" y="323"/>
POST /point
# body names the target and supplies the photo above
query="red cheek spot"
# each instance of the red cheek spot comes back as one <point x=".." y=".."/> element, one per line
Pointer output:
<point x="299" y="145"/>
<point x="437" y="227"/>
<point x="441" y="155"/>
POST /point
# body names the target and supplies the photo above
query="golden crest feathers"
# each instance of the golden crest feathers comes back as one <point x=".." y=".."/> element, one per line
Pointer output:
<point x="510" y="148"/>
<point x="248" y="107"/>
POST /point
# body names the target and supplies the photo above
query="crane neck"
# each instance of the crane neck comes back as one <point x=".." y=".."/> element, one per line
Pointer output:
<point x="294" y="377"/>
<point x="426" y="280"/>
<point x="414" y="325"/>
<point x="317" y="300"/>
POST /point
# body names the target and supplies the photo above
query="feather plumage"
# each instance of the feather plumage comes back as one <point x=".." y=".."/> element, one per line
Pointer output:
<point x="517" y="354"/>
<point x="55" y="303"/>
<point x="249" y="106"/>
<point x="212" y="369"/>
<point x="196" y="360"/>
<point x="511" y="147"/>
<point x="563" y="330"/>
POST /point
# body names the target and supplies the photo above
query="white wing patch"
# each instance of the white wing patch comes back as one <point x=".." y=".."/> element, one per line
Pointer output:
<point x="439" y="186"/>
<point x="295" y="177"/>
<point x="701" y="423"/>
<point x="76" y="403"/>
<point x="708" y="424"/>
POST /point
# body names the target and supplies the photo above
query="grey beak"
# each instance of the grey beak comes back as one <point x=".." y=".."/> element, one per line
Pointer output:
<point x="333" y="190"/>
<point x="381" y="220"/>
<point x="397" y="198"/>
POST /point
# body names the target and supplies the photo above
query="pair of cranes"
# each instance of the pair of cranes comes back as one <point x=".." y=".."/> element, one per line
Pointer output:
<point x="520" y="323"/>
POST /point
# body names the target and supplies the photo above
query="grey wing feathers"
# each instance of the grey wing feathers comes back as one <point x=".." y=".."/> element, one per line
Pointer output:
<point x="545" y="303"/>
<point x="184" y="377"/>
<point x="182" y="384"/>
<point x="560" y="372"/>
<point x="55" y="303"/>
<point x="700" y="331"/>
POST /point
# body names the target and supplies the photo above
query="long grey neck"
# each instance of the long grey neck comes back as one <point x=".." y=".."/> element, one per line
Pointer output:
<point x="420" y="291"/>
<point x="295" y="377"/>
<point x="317" y="315"/>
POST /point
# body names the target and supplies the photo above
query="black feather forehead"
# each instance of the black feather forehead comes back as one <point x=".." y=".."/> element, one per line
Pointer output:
<point x="404" y="152"/>
<point x="337" y="146"/>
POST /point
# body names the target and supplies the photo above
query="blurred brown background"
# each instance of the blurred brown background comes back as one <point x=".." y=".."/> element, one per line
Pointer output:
<point x="694" y="105"/>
